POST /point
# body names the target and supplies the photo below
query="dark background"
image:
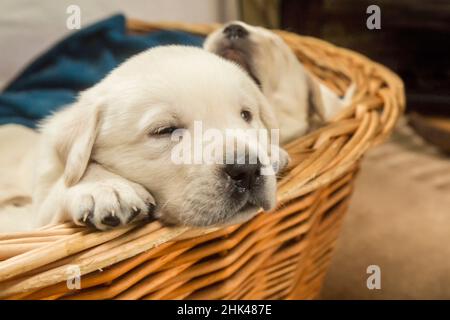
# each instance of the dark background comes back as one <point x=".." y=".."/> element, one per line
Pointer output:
<point x="414" y="40"/>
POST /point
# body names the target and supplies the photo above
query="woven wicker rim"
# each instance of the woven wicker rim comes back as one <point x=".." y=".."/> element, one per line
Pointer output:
<point x="32" y="260"/>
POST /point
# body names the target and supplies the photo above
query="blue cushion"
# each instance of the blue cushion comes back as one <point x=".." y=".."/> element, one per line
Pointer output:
<point x="74" y="64"/>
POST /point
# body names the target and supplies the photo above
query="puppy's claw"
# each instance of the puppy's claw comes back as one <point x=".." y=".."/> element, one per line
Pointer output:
<point x="86" y="219"/>
<point x="150" y="210"/>
<point x="135" y="211"/>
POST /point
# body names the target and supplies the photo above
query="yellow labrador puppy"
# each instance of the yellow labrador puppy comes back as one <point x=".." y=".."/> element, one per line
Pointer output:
<point x="109" y="157"/>
<point x="293" y="92"/>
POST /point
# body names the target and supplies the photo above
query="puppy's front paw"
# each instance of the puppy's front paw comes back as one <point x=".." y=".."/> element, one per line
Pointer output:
<point x="108" y="204"/>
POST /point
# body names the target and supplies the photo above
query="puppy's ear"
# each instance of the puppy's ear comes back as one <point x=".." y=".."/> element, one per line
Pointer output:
<point x="267" y="115"/>
<point x="75" y="137"/>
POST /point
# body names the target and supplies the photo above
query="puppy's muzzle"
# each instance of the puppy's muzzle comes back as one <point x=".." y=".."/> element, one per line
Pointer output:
<point x="235" y="31"/>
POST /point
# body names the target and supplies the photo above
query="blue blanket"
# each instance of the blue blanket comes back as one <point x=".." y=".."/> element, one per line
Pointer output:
<point x="74" y="64"/>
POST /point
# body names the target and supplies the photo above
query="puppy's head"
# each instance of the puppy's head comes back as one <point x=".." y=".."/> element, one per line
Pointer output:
<point x="262" y="53"/>
<point x="272" y="65"/>
<point x="170" y="101"/>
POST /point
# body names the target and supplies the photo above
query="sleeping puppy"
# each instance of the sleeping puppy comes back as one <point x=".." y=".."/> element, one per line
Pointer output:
<point x="104" y="160"/>
<point x="294" y="93"/>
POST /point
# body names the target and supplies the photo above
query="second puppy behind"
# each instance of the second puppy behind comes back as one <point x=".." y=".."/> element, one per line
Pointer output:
<point x="294" y="93"/>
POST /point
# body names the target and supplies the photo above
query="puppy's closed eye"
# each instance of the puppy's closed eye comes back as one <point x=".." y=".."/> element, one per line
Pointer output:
<point x="164" y="131"/>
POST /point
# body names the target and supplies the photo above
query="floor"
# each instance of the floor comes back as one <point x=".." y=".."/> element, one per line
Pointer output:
<point x="399" y="220"/>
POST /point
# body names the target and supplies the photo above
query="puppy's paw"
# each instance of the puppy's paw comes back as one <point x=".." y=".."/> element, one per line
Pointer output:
<point x="108" y="204"/>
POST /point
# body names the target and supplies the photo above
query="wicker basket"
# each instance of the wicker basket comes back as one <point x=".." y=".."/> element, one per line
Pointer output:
<point x="277" y="255"/>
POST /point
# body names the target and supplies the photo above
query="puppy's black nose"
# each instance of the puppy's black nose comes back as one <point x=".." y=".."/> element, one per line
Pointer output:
<point x="244" y="176"/>
<point x="235" y="31"/>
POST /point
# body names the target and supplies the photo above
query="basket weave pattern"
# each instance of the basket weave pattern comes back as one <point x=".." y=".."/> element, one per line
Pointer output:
<point x="277" y="255"/>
